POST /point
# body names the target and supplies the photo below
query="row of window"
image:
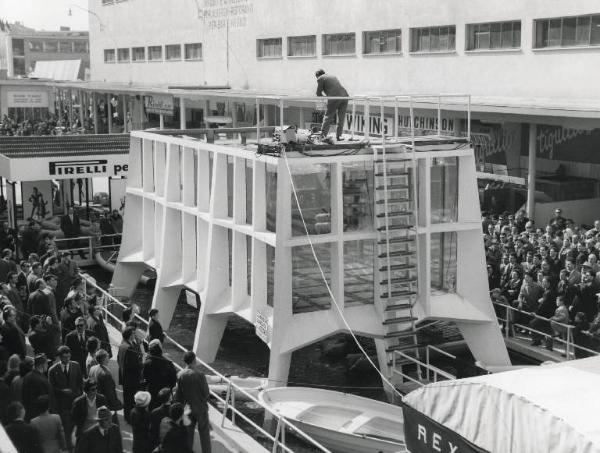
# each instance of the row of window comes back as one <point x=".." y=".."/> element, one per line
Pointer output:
<point x="172" y="52"/>
<point x="49" y="46"/>
<point x="558" y="32"/>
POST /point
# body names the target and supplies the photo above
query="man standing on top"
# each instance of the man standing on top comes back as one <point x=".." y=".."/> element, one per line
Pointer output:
<point x="329" y="85"/>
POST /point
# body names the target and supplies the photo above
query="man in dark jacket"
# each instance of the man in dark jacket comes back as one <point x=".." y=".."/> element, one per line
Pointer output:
<point x="76" y="341"/>
<point x="83" y="405"/>
<point x="24" y="436"/>
<point x="36" y="384"/>
<point x="546" y="308"/>
<point x="13" y="338"/>
<point x="66" y="380"/>
<point x="158" y="372"/>
<point x="129" y="359"/>
<point x="155" y="330"/>
<point x="175" y="440"/>
<point x="192" y="389"/>
<point x="39" y="302"/>
<point x="105" y="437"/>
<point x="330" y="86"/>
<point x="158" y="414"/>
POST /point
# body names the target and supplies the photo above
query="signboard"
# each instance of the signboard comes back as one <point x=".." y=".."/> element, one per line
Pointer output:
<point x="423" y="123"/>
<point x="225" y="14"/>
<point x="46" y="168"/>
<point x="564" y="144"/>
<point x="27" y="99"/>
<point x="424" y="435"/>
<point x="37" y="199"/>
<point x="160" y="104"/>
<point x="261" y="327"/>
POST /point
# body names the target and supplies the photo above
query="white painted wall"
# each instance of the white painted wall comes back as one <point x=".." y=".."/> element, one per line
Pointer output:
<point x="521" y="73"/>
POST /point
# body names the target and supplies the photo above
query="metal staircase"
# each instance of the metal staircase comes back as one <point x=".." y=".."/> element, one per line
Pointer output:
<point x="395" y="222"/>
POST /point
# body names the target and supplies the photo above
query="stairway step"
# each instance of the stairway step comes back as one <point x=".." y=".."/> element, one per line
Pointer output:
<point x="399" y="334"/>
<point x="393" y="173"/>
<point x="395" y="214"/>
<point x="393" y="187"/>
<point x="400" y="280"/>
<point x="398" y="267"/>
<point x="399" y="294"/>
<point x="397" y="253"/>
<point x="395" y="227"/>
<point x="397" y="240"/>
<point x="396" y="307"/>
<point x="399" y="320"/>
<point x="401" y="347"/>
<point x="394" y="200"/>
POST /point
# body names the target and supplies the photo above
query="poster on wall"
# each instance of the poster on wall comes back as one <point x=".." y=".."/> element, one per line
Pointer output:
<point x="564" y="144"/>
<point x="27" y="99"/>
<point x="117" y="194"/>
<point x="37" y="199"/>
<point x="496" y="146"/>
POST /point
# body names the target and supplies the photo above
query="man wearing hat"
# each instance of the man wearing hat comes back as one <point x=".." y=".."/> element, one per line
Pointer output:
<point x="104" y="437"/>
<point x="35" y="384"/>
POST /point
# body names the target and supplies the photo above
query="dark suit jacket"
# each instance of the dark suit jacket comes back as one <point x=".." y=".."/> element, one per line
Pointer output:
<point x="70" y="228"/>
<point x="92" y="441"/>
<point x="192" y="389"/>
<point x="155" y="330"/>
<point x="39" y="303"/>
<point x="156" y="416"/>
<point x="79" y="411"/>
<point x="106" y="386"/>
<point x="330" y="85"/>
<point x="175" y="440"/>
<point x="24" y="437"/>
<point x="13" y="339"/>
<point x="35" y="384"/>
<point x="130" y="365"/>
<point x="159" y="372"/>
<point x="78" y="351"/>
<point x="63" y="400"/>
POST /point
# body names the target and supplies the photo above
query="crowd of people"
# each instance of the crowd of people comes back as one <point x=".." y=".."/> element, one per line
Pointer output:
<point x="57" y="390"/>
<point x="50" y="125"/>
<point x="549" y="274"/>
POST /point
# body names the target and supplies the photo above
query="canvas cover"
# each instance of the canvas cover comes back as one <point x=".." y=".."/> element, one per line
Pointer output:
<point x="532" y="410"/>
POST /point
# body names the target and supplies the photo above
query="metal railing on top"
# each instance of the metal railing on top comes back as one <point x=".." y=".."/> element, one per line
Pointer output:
<point x="228" y="402"/>
<point x="568" y="340"/>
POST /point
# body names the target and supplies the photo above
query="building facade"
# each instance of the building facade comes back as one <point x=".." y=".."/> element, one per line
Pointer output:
<point x="22" y="47"/>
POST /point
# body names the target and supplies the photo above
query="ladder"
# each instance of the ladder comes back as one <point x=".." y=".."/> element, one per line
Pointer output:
<point x="396" y="225"/>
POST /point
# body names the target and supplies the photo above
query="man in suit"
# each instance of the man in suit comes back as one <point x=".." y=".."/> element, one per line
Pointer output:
<point x="37" y="270"/>
<point x="155" y="330"/>
<point x="66" y="272"/>
<point x="69" y="224"/>
<point x="192" y="389"/>
<point x="39" y="302"/>
<point x="85" y="406"/>
<point x="76" y="341"/>
<point x="106" y="384"/>
<point x="105" y="437"/>
<point x="35" y="384"/>
<point x="129" y="359"/>
<point x="66" y="380"/>
<point x="49" y="428"/>
<point x="13" y="338"/>
<point x="329" y="85"/>
<point x="24" y="436"/>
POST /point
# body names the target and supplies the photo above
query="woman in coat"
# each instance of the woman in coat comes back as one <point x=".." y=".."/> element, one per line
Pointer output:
<point x="140" y="423"/>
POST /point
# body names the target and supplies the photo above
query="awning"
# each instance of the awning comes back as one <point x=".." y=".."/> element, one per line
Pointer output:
<point x="46" y="157"/>
<point x="65" y="70"/>
<point x="547" y="409"/>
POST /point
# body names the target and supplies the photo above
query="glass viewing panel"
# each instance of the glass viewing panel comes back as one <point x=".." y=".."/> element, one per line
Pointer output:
<point x="444" y="190"/>
<point x="313" y="187"/>
<point x="210" y="172"/>
<point x="443" y="261"/>
<point x="309" y="292"/>
<point x="270" y="274"/>
<point x="230" y="249"/>
<point x="271" y="196"/>
<point x="359" y="259"/>
<point x="249" y="173"/>
<point x="229" y="186"/>
<point x="358" y="192"/>
<point x="249" y="264"/>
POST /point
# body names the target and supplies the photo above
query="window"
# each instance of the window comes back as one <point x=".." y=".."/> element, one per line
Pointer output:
<point x="433" y="39"/>
<point x="18" y="47"/>
<point x="19" y="66"/>
<point x="109" y="55"/>
<point x="268" y="48"/>
<point x="173" y="52"/>
<point x="65" y="47"/>
<point x="193" y="51"/>
<point x="80" y="46"/>
<point x="302" y="46"/>
<point x="50" y="46"/>
<point x="36" y="46"/>
<point x="567" y="31"/>
<point x="496" y="35"/>
<point x="138" y="54"/>
<point x="123" y="55"/>
<point x="339" y="44"/>
<point x="154" y="53"/>
<point x="384" y="41"/>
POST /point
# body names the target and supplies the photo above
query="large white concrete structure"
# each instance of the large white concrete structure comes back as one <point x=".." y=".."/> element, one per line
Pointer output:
<point x="237" y="226"/>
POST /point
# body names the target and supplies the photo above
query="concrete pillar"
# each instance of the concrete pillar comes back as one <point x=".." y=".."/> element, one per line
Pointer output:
<point x="70" y="107"/>
<point x="81" y="107"/>
<point x="95" y="112"/>
<point x="182" y="114"/>
<point x="109" y="107"/>
<point x="531" y="168"/>
<point x="162" y="122"/>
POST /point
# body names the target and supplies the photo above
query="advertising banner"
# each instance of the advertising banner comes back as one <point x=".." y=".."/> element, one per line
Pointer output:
<point x="564" y="144"/>
<point x="424" y="435"/>
<point x="47" y="168"/>
<point x="27" y="99"/>
<point x="159" y="104"/>
<point x="37" y="199"/>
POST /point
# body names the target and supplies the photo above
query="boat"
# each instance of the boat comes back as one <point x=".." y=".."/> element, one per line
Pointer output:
<point x="251" y="385"/>
<point x="341" y="422"/>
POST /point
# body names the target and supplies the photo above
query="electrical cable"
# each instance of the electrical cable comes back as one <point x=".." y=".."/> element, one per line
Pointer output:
<point x="340" y="311"/>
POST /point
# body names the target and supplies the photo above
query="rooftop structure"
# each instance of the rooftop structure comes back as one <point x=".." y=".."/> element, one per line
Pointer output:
<point x="371" y="236"/>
